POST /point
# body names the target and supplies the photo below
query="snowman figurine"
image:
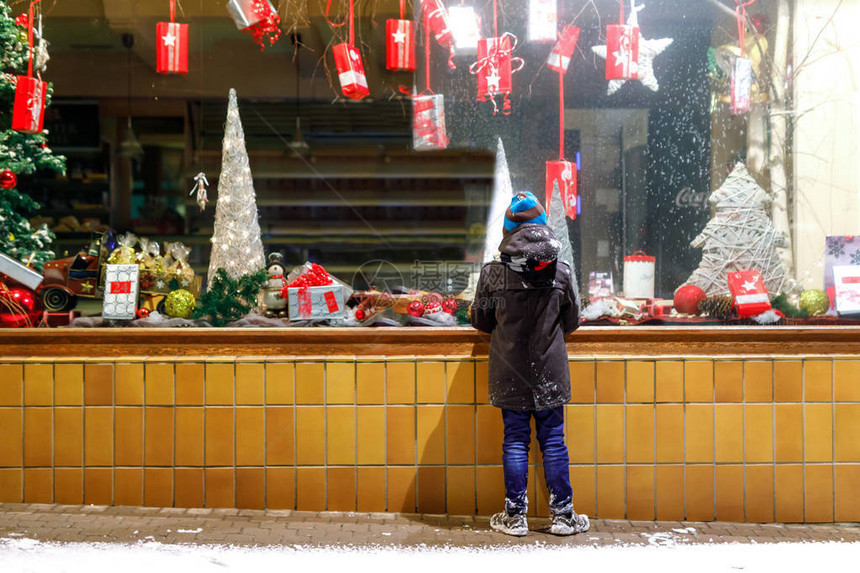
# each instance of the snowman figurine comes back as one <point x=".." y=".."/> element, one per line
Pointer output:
<point x="276" y="305"/>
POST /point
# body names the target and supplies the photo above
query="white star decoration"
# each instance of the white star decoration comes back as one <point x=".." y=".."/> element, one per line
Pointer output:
<point x="648" y="50"/>
<point x="493" y="81"/>
<point x="169" y="39"/>
<point x="749" y="285"/>
<point x="399" y="37"/>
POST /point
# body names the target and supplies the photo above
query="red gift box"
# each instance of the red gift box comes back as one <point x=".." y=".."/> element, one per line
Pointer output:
<point x="559" y="57"/>
<point x="28" y="113"/>
<point x="172" y="55"/>
<point x="437" y="17"/>
<point x="622" y="52"/>
<point x="428" y="122"/>
<point x="563" y="172"/>
<point x="350" y="71"/>
<point x="494" y="66"/>
<point x="400" y="45"/>
<point x="750" y="296"/>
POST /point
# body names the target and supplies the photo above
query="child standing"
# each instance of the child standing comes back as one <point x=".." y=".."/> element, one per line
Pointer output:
<point x="528" y="302"/>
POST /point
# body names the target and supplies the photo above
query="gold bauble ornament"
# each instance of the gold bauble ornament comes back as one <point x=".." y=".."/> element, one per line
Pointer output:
<point x="180" y="304"/>
<point x="815" y="302"/>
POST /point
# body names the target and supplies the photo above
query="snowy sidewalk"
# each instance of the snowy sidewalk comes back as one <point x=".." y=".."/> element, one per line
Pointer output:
<point x="74" y="523"/>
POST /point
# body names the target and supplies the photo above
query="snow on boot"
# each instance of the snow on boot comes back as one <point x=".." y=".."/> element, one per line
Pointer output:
<point x="569" y="524"/>
<point x="515" y="525"/>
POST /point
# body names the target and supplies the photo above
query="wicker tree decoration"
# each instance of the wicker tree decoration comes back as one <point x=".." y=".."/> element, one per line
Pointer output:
<point x="739" y="237"/>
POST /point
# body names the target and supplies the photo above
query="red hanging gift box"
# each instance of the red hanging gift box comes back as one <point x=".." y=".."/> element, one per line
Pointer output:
<point x="428" y="122"/>
<point x="494" y="66"/>
<point x="172" y="55"/>
<point x="559" y="57"/>
<point x="400" y="45"/>
<point x="564" y="173"/>
<point x="350" y="71"/>
<point x="437" y="16"/>
<point x="28" y="113"/>
<point x="622" y="52"/>
<point x="749" y="294"/>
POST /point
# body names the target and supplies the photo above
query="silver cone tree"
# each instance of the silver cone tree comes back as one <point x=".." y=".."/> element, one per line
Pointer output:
<point x="236" y="244"/>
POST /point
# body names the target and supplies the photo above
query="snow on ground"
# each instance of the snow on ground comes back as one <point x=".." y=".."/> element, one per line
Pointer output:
<point x="19" y="555"/>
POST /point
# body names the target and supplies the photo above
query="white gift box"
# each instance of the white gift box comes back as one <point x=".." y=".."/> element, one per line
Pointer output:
<point x="316" y="302"/>
<point x="121" y="290"/>
<point x="847" y="282"/>
<point x="639" y="275"/>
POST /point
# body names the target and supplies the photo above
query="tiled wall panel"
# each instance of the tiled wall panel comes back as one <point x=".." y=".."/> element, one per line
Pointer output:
<point x="729" y="438"/>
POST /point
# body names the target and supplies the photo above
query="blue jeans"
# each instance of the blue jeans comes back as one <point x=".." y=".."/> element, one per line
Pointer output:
<point x="515" y="459"/>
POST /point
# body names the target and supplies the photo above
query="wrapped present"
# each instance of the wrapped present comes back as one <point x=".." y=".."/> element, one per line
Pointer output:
<point x="258" y="18"/>
<point x="563" y="173"/>
<point x="20" y="273"/>
<point x="121" y="292"/>
<point x="543" y="20"/>
<point x="428" y="122"/>
<point x="28" y="112"/>
<point x="437" y="17"/>
<point x="494" y="66"/>
<point x="839" y="250"/>
<point x="562" y="51"/>
<point x="748" y="292"/>
<point x="622" y="52"/>
<point x="847" y="290"/>
<point x="400" y="45"/>
<point x="639" y="275"/>
<point x="350" y="71"/>
<point x="124" y="253"/>
<point x="741" y="85"/>
<point x="172" y="54"/>
<point x="316" y="302"/>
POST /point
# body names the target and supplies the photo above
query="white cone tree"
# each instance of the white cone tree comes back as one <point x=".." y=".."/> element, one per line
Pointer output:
<point x="739" y="237"/>
<point x="499" y="203"/>
<point x="236" y="244"/>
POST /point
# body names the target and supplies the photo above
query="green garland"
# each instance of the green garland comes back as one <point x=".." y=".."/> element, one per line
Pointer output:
<point x="780" y="302"/>
<point x="227" y="299"/>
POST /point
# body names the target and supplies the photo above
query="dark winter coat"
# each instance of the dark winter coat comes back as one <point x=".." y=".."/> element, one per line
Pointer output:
<point x="528" y="312"/>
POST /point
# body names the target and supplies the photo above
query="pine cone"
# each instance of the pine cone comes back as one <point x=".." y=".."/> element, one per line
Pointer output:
<point x="719" y="307"/>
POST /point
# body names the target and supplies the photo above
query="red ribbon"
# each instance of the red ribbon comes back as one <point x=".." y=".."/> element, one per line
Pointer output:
<point x="172" y="11"/>
<point x="402" y="9"/>
<point x="30" y="36"/>
<point x="741" y="17"/>
<point x="350" y="19"/>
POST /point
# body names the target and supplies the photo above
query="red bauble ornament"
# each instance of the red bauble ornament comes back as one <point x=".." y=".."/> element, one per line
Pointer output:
<point x="416" y="308"/>
<point x="142" y="312"/>
<point x="687" y="299"/>
<point x="8" y="180"/>
<point x="449" y="305"/>
<point x="18" y="307"/>
<point x="360" y="314"/>
<point x="432" y="308"/>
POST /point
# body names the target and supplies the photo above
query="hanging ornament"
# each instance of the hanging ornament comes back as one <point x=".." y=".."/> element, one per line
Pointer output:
<point x="257" y="18"/>
<point x="200" y="185"/>
<point x="347" y="60"/>
<point x="437" y="16"/>
<point x="562" y="51"/>
<point x="8" y="179"/>
<point x="496" y="65"/>
<point x="172" y="38"/>
<point x="629" y="56"/>
<point x="19" y="307"/>
<point x="400" y="43"/>
<point x="28" y="112"/>
<point x="562" y="173"/>
<point x="543" y="20"/>
<point x="742" y="70"/>
<point x="428" y="110"/>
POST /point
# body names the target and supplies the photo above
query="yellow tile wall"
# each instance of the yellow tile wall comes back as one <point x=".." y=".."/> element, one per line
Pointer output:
<point x="738" y="438"/>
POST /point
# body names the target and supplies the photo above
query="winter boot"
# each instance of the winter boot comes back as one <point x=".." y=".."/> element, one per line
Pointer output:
<point x="568" y="523"/>
<point x="515" y="525"/>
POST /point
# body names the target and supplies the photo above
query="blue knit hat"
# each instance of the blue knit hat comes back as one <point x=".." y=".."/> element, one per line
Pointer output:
<point x="525" y="208"/>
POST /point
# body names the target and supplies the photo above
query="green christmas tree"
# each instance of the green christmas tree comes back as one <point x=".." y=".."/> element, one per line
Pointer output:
<point x="20" y="153"/>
